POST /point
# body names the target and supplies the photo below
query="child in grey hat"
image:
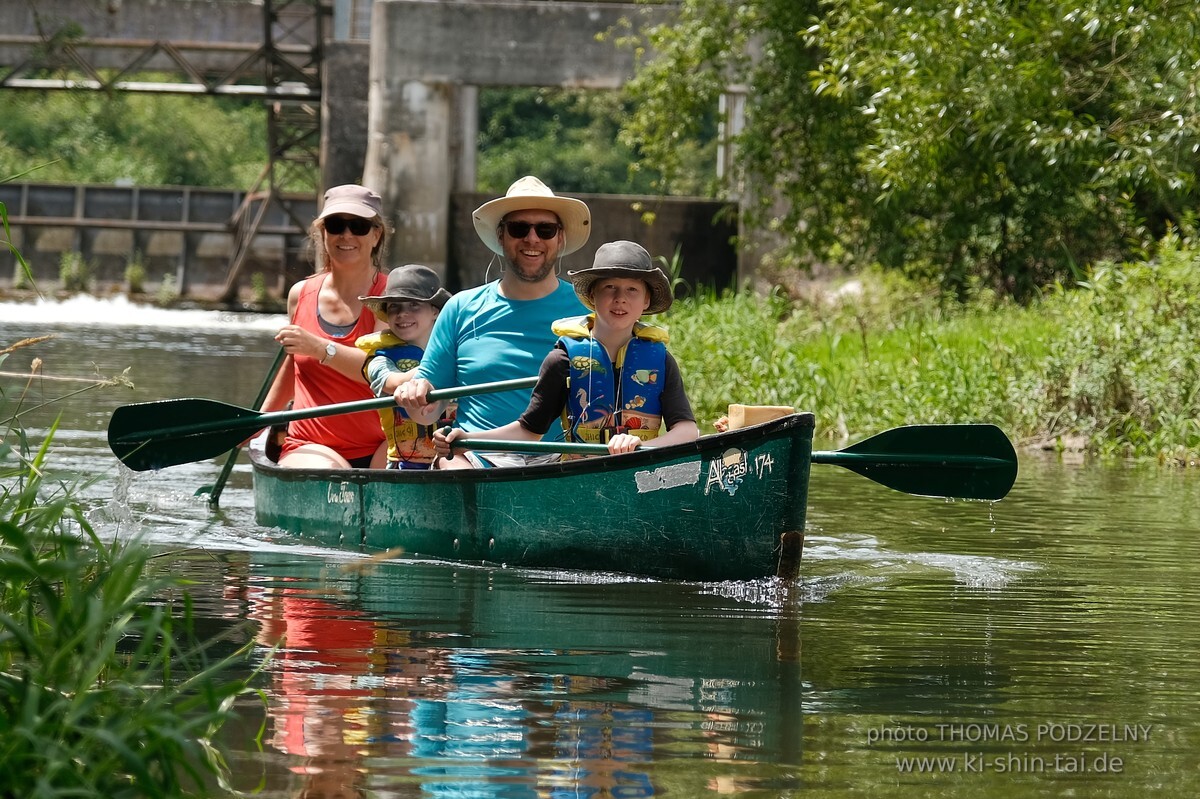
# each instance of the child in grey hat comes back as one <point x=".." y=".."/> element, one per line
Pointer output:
<point x="410" y="304"/>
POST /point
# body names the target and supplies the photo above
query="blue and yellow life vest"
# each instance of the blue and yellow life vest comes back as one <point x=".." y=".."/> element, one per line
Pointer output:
<point x="408" y="442"/>
<point x="597" y="406"/>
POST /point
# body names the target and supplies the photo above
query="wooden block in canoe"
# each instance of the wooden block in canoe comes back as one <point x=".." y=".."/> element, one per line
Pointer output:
<point x="745" y="415"/>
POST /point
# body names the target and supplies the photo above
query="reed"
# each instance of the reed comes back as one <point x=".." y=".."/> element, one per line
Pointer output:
<point x="105" y="690"/>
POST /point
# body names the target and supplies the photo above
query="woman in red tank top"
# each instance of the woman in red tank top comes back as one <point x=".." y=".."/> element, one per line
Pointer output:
<point x="324" y="367"/>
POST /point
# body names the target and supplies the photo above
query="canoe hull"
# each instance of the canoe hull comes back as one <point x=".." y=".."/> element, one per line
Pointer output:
<point x="715" y="509"/>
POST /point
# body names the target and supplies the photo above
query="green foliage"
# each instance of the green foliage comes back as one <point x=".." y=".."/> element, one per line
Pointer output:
<point x="1109" y="366"/>
<point x="104" y="691"/>
<point x="74" y="272"/>
<point x="168" y="289"/>
<point x="1124" y="375"/>
<point x="22" y="274"/>
<point x="258" y="283"/>
<point x="135" y="274"/>
<point x="674" y="98"/>
<point x="975" y="144"/>
<point x="567" y="138"/>
<point x="21" y="279"/>
<point x="673" y="266"/>
<point x="90" y="137"/>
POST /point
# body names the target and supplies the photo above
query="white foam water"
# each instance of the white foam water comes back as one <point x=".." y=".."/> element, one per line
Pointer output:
<point x="119" y="311"/>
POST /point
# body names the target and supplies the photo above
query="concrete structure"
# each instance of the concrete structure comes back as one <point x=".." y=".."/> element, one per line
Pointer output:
<point x="397" y="112"/>
<point x="180" y="235"/>
<point x="428" y="57"/>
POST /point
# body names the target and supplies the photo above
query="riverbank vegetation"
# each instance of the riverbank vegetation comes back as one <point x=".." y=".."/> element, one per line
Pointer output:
<point x="105" y="689"/>
<point x="131" y="139"/>
<point x="1107" y="367"/>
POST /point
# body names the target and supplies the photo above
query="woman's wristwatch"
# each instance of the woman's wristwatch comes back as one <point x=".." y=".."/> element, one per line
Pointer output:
<point x="330" y="351"/>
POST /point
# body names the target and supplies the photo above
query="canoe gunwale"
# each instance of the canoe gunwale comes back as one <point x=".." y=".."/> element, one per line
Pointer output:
<point x="641" y="458"/>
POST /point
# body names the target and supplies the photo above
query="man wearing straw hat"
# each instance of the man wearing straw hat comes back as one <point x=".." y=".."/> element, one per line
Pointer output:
<point x="502" y="329"/>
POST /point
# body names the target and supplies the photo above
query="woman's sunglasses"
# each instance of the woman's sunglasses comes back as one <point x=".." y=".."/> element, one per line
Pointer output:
<point x="544" y="230"/>
<point x="337" y="225"/>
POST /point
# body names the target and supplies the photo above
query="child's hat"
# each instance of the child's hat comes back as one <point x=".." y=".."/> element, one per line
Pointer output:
<point x="624" y="259"/>
<point x="408" y="282"/>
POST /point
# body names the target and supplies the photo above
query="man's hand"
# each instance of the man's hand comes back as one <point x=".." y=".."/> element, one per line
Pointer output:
<point x="413" y="397"/>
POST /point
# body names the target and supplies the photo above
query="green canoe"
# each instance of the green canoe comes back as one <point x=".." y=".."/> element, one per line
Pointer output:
<point x="725" y="507"/>
<point x="729" y="506"/>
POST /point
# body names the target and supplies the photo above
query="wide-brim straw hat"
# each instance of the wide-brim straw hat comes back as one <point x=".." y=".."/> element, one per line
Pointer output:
<point x="624" y="259"/>
<point x="530" y="194"/>
<point x="408" y="282"/>
<point x="351" y="199"/>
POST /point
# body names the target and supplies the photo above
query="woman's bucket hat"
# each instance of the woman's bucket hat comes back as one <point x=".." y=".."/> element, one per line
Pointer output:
<point x="351" y="199"/>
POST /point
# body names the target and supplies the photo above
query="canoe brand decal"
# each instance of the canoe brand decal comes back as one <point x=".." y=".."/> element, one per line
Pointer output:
<point x="679" y="474"/>
<point x="340" y="494"/>
<point x="727" y="472"/>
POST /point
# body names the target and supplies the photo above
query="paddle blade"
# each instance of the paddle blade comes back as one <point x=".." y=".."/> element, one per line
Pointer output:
<point x="154" y="435"/>
<point x="965" y="461"/>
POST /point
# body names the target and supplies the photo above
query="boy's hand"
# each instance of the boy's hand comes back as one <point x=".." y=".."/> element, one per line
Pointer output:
<point x="622" y="443"/>
<point x="444" y="437"/>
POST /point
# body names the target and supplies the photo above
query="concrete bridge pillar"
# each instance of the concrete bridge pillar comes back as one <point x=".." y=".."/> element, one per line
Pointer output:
<point x="427" y="60"/>
<point x="408" y="162"/>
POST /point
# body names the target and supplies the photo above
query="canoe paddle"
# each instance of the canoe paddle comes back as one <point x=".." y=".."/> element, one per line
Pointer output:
<point x="964" y="461"/>
<point x="214" y="490"/>
<point x="147" y="435"/>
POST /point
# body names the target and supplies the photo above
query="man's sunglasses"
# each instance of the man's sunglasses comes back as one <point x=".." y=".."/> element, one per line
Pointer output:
<point x="358" y="226"/>
<point x="544" y="230"/>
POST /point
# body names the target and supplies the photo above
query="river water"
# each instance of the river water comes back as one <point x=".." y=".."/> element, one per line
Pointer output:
<point x="1045" y="645"/>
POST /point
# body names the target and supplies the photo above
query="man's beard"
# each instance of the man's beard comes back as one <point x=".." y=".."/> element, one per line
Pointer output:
<point x="536" y="277"/>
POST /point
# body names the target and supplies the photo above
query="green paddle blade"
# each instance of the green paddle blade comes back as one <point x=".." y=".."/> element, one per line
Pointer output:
<point x="177" y="431"/>
<point x="154" y="435"/>
<point x="214" y="491"/>
<point x="966" y="461"/>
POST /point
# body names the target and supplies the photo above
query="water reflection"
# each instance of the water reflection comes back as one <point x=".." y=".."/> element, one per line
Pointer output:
<point x="472" y="682"/>
<point x="320" y="681"/>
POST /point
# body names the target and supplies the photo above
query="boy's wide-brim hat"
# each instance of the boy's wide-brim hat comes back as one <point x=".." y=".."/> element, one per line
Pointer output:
<point x="624" y="259"/>
<point x="408" y="282"/>
<point x="530" y="194"/>
<point x="353" y="200"/>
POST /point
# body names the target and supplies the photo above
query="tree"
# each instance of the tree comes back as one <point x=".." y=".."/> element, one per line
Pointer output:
<point x="90" y="137"/>
<point x="985" y="142"/>
<point x="565" y="137"/>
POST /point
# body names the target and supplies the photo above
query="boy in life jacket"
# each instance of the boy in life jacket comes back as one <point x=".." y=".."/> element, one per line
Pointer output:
<point x="609" y="377"/>
<point x="410" y="303"/>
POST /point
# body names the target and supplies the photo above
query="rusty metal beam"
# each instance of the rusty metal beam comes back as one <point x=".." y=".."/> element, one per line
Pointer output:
<point x="284" y="70"/>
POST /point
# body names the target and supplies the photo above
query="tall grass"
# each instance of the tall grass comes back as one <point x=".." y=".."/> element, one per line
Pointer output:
<point x="1109" y="367"/>
<point x="104" y="689"/>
